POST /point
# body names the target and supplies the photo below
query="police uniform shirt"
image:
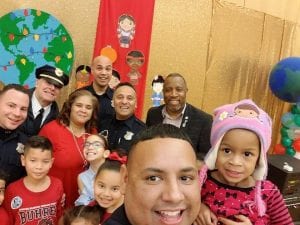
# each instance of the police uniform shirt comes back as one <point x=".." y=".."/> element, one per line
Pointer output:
<point x="120" y="132"/>
<point x="106" y="111"/>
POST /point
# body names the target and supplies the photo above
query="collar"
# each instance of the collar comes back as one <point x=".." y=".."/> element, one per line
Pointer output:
<point x="128" y="122"/>
<point x="36" y="106"/>
<point x="165" y="114"/>
<point x="108" y="92"/>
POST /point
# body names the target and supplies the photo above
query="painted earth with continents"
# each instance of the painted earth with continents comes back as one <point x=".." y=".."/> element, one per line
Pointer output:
<point x="31" y="38"/>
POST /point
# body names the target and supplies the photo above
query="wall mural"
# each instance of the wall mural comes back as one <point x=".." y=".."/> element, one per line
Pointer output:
<point x="30" y="38"/>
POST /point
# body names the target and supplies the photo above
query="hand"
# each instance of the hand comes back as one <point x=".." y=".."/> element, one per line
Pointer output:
<point x="242" y="220"/>
<point x="205" y="216"/>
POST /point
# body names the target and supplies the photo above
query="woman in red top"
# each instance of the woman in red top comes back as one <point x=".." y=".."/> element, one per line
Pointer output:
<point x="75" y="122"/>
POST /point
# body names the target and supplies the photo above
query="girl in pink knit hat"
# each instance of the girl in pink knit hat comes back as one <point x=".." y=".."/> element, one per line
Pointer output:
<point x="234" y="186"/>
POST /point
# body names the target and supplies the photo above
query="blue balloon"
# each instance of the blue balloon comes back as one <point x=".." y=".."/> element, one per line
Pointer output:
<point x="284" y="80"/>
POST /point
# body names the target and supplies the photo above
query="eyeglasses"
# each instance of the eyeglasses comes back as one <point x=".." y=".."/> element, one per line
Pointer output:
<point x="95" y="144"/>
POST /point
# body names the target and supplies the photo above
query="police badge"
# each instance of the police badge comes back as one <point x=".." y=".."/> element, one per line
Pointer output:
<point x="128" y="136"/>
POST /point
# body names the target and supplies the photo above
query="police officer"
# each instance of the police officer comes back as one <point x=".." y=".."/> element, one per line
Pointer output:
<point x="121" y="129"/>
<point x="102" y="72"/>
<point x="14" y="102"/>
<point x="43" y="107"/>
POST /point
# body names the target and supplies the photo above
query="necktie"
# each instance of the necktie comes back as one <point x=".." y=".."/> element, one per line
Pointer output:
<point x="38" y="120"/>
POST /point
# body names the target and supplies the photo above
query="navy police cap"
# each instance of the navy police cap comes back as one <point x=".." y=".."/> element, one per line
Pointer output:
<point x="56" y="75"/>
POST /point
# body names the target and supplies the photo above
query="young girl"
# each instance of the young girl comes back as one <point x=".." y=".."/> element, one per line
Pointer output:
<point x="236" y="188"/>
<point x="81" y="215"/>
<point x="107" y="184"/>
<point x="95" y="151"/>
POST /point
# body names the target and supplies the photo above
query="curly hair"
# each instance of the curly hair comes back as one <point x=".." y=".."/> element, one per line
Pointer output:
<point x="64" y="115"/>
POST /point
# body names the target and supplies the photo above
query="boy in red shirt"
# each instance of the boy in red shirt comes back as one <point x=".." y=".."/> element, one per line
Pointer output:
<point x="37" y="198"/>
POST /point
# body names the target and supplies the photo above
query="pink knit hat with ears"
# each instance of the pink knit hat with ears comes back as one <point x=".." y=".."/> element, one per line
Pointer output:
<point x="244" y="114"/>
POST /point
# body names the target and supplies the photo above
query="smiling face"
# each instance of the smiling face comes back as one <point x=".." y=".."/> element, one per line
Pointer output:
<point x="237" y="157"/>
<point x="94" y="149"/>
<point x="37" y="163"/>
<point x="174" y="91"/>
<point x="127" y="24"/>
<point x="81" y="110"/>
<point x="13" y="109"/>
<point x="161" y="183"/>
<point x="124" y="102"/>
<point x="102" y="71"/>
<point x="107" y="189"/>
<point x="46" y="92"/>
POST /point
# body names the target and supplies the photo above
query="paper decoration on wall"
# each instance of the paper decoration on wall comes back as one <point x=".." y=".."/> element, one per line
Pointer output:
<point x="30" y="38"/>
<point x="110" y="53"/>
<point x="126" y="30"/>
<point x="126" y="26"/>
<point x="135" y="59"/>
<point x="157" y="87"/>
<point x="82" y="76"/>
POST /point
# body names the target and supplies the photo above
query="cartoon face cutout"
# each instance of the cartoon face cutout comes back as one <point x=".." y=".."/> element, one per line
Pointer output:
<point x="127" y="24"/>
<point x="247" y="111"/>
<point x="157" y="87"/>
<point x="82" y="76"/>
<point x="135" y="59"/>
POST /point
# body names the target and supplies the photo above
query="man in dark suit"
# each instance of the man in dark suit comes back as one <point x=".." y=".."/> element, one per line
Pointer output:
<point x="42" y="107"/>
<point x="176" y="111"/>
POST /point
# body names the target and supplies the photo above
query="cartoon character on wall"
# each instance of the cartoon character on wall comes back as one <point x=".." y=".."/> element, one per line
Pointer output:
<point x="157" y="86"/>
<point x="134" y="59"/>
<point x="82" y="76"/>
<point x="126" y="30"/>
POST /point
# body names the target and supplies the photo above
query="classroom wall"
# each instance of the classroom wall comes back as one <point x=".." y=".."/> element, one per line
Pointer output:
<point x="225" y="49"/>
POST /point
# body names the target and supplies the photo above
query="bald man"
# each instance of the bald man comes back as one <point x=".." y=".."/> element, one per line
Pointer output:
<point x="102" y="71"/>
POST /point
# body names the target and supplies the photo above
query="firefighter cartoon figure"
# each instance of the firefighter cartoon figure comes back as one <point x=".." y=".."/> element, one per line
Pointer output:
<point x="126" y="30"/>
<point x="135" y="60"/>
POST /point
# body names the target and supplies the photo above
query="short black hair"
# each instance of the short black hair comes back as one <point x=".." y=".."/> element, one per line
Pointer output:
<point x="38" y="142"/>
<point x="177" y="75"/>
<point x="159" y="131"/>
<point x="16" y="87"/>
<point x="124" y="84"/>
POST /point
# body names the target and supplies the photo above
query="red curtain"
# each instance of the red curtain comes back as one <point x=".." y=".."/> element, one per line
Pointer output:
<point x="126" y="26"/>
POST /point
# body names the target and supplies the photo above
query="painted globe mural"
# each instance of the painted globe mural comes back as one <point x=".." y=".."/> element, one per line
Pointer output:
<point x="284" y="80"/>
<point x="30" y="38"/>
